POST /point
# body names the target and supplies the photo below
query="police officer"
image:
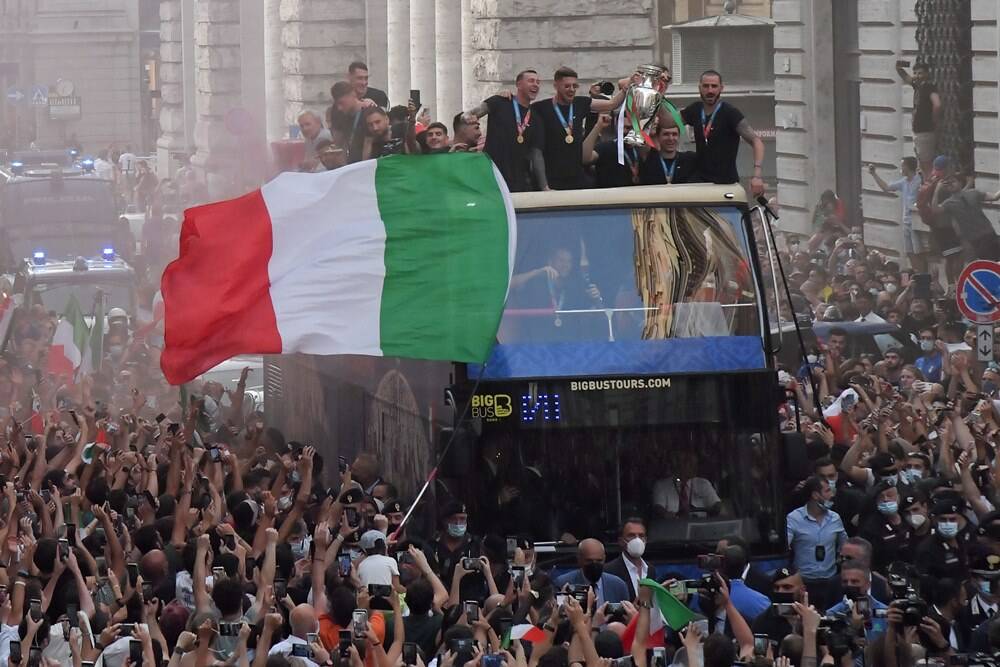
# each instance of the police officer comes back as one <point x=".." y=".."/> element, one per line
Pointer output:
<point x="984" y="599"/>
<point x="943" y="553"/>
<point x="885" y="528"/>
<point x="453" y="542"/>
<point x="780" y="619"/>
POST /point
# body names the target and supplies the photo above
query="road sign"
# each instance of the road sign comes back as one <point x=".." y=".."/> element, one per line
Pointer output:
<point x="64" y="108"/>
<point x="978" y="292"/>
<point x="39" y="96"/>
<point x="984" y="342"/>
<point x="14" y="95"/>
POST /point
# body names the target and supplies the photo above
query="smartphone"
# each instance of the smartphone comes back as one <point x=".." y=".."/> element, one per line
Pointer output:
<point x="659" y="657"/>
<point x="302" y="651"/>
<point x="409" y="653"/>
<point x="63" y="548"/>
<point x="73" y="612"/>
<point x="784" y="608"/>
<point x="760" y="643"/>
<point x="218" y="573"/>
<point x="46" y="495"/>
<point x="312" y="637"/>
<point x="517" y="574"/>
<point x="15" y="653"/>
<point x="491" y="660"/>
<point x="160" y="417"/>
<point x="215" y="455"/>
<point x="71" y="532"/>
<point x="147" y="591"/>
<point x="344" y="563"/>
<point x="280" y="589"/>
<point x="511" y="546"/>
<point x="359" y="623"/>
<point x="35" y="605"/>
<point x="34" y="656"/>
<point x="344" y="647"/>
<point x="342" y="463"/>
<point x="379" y="590"/>
<point x="102" y="567"/>
<point x="863" y="607"/>
<point x="471" y="608"/>
<point x="135" y="652"/>
<point x="65" y="631"/>
<point x="352" y="516"/>
<point x="125" y="629"/>
<point x="229" y="629"/>
<point x="470" y="564"/>
<point x="415" y="97"/>
<point x="133" y="574"/>
<point x="249" y="566"/>
<point x="173" y="428"/>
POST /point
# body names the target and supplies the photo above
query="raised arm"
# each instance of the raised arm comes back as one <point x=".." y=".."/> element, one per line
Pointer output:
<point x="589" y="154"/>
<point x="879" y="181"/>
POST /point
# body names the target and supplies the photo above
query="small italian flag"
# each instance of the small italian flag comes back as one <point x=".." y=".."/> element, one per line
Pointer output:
<point x="407" y="256"/>
<point x="68" y="342"/>
<point x="667" y="611"/>
<point x="526" y="631"/>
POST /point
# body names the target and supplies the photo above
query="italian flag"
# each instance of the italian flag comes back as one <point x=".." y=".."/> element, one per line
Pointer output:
<point x="68" y="341"/>
<point x="667" y="611"/>
<point x="407" y="256"/>
<point x="526" y="631"/>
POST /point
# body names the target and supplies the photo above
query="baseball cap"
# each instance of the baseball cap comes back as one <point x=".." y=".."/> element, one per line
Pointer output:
<point x="371" y="538"/>
<point x="942" y="162"/>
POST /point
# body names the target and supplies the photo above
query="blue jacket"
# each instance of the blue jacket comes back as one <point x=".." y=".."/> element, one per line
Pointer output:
<point x="610" y="589"/>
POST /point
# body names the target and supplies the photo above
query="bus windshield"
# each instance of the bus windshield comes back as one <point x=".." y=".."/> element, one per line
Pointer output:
<point x="605" y="291"/>
<point x="55" y="296"/>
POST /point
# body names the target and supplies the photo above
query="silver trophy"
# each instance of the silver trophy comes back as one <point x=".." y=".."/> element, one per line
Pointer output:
<point x="643" y="101"/>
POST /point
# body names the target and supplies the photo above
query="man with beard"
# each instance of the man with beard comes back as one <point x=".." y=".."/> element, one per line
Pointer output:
<point x="590" y="557"/>
<point x="379" y="141"/>
<point x="777" y="622"/>
<point x="718" y="128"/>
<point x="511" y="131"/>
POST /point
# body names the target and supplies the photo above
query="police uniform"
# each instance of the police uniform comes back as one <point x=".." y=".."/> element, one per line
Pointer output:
<point x="889" y="542"/>
<point x="985" y="567"/>
<point x="771" y="623"/>
<point x="939" y="558"/>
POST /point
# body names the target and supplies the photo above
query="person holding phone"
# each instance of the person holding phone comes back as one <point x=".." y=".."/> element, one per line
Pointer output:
<point x="858" y="605"/>
<point x="376" y="568"/>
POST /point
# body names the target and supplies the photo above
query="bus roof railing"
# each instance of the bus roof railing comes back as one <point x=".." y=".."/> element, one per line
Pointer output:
<point x="696" y="194"/>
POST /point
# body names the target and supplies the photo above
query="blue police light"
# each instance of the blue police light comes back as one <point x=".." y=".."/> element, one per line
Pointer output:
<point x="108" y="254"/>
<point x="87" y="165"/>
<point x="17" y="167"/>
<point x="38" y="257"/>
<point x="73" y="152"/>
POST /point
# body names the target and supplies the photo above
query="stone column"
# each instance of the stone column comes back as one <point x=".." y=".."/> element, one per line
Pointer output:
<point x="377" y="42"/>
<point x="321" y="38"/>
<point x="423" y="76"/>
<point x="274" y="72"/>
<point x="468" y="69"/>
<point x="189" y="72"/>
<point x="172" y="138"/>
<point x="448" y="28"/>
<point x="217" y="45"/>
<point x="398" y="38"/>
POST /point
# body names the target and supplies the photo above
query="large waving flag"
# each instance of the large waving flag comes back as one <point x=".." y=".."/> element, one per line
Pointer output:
<point x="68" y="342"/>
<point x="667" y="611"/>
<point x="406" y="256"/>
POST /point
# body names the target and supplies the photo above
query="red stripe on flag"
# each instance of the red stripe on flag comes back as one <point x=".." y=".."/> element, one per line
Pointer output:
<point x="656" y="639"/>
<point x="216" y="294"/>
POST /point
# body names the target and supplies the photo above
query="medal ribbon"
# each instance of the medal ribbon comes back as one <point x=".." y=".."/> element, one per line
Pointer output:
<point x="632" y="158"/>
<point x="521" y="127"/>
<point x="706" y="128"/>
<point x="668" y="173"/>
<point x="567" y="127"/>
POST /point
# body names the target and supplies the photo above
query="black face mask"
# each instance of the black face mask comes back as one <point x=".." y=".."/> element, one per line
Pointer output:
<point x="783" y="598"/>
<point x="593" y="571"/>
<point x="393" y="527"/>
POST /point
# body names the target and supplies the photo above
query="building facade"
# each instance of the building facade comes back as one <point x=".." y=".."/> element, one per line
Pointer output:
<point x="74" y="70"/>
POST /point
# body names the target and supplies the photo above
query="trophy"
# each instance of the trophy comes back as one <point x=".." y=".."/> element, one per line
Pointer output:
<point x="642" y="102"/>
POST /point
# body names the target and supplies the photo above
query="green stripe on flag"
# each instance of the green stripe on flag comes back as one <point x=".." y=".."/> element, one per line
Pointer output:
<point x="675" y="614"/>
<point x="446" y="255"/>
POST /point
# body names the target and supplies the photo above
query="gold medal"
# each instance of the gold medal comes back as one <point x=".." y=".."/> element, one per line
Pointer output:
<point x="520" y="138"/>
<point x="569" y="138"/>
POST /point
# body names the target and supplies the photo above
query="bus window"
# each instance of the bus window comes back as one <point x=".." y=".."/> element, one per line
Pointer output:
<point x="603" y="291"/>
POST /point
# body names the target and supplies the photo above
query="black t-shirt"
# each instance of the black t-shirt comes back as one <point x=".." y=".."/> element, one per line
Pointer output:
<point x="923" y="108"/>
<point x="349" y="131"/>
<point x="510" y="157"/>
<point x="610" y="174"/>
<point x="717" y="155"/>
<point x="378" y="97"/>
<point x="653" y="170"/>
<point x="563" y="161"/>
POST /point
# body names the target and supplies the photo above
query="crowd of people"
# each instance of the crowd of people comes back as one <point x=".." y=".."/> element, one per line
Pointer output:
<point x="563" y="142"/>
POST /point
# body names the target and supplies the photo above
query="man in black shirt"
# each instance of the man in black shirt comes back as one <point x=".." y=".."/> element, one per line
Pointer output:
<point x="926" y="112"/>
<point x="718" y="128"/>
<point x="379" y="141"/>
<point x="557" y="151"/>
<point x="510" y="134"/>
<point x="357" y="74"/>
<point x="346" y="116"/>
<point x="608" y="173"/>
<point x="668" y="165"/>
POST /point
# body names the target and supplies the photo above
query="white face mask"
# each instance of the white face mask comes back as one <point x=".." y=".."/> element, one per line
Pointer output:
<point x="916" y="520"/>
<point x="636" y="547"/>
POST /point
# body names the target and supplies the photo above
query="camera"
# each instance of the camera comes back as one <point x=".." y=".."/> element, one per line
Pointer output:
<point x="379" y="590"/>
<point x="492" y="660"/>
<point x="914" y="608"/>
<point x="709" y="585"/>
<point x="580" y="594"/>
<point x="229" y="629"/>
<point x="837" y="636"/>
<point x="607" y="88"/>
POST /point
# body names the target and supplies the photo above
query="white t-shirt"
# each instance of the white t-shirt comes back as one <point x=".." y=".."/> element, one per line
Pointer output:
<point x="377" y="569"/>
<point x="104" y="169"/>
<point x="701" y="494"/>
<point x="8" y="633"/>
<point x="285" y="648"/>
<point x="126" y="162"/>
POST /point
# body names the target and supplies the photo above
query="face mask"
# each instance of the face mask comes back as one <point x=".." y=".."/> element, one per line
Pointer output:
<point x="914" y="475"/>
<point x="284" y="502"/>
<point x="783" y="598"/>
<point x="812" y="358"/>
<point x="926" y="345"/>
<point x="379" y="505"/>
<point x="826" y="504"/>
<point x="947" y="529"/>
<point x="891" y="479"/>
<point x="115" y="350"/>
<point x="300" y="549"/>
<point x="592" y="572"/>
<point x="989" y="386"/>
<point x="984" y="587"/>
<point x="832" y="483"/>
<point x="636" y="547"/>
<point x="393" y="527"/>
<point x="916" y="520"/>
<point x="890" y="288"/>
<point x="888" y="507"/>
<point x="457" y="529"/>
<point x="873" y="292"/>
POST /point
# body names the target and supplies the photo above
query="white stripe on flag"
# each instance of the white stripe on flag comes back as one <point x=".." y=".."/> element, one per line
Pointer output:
<point x="326" y="231"/>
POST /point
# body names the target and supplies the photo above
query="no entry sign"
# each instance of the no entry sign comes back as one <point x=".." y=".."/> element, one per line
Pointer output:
<point x="978" y="292"/>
